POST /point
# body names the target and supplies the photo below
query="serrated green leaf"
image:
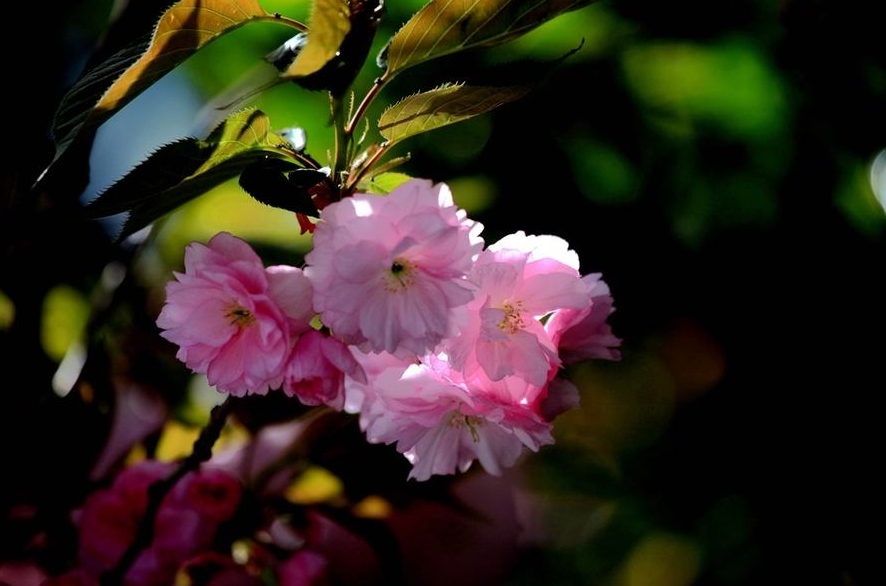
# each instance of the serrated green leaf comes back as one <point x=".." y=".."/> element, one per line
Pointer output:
<point x="182" y="170"/>
<point x="185" y="27"/>
<point x="281" y="184"/>
<point x="77" y="103"/>
<point x="329" y="25"/>
<point x="443" y="106"/>
<point x="383" y="183"/>
<point x="446" y="26"/>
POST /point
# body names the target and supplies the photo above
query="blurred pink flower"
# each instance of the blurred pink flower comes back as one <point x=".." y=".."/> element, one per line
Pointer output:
<point x="520" y="279"/>
<point x="28" y="573"/>
<point x="77" y="577"/>
<point x="212" y="493"/>
<point x="389" y="272"/>
<point x="583" y="334"/>
<point x="186" y="523"/>
<point x="110" y="517"/>
<point x="232" y="318"/>
<point x="442" y="422"/>
<point x="316" y="369"/>
<point x="305" y="568"/>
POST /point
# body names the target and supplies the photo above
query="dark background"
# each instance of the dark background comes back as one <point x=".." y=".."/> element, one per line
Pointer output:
<point x="710" y="158"/>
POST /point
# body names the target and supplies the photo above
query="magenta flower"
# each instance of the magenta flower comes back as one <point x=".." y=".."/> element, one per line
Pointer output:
<point x="186" y="522"/>
<point x="232" y="318"/>
<point x="315" y="372"/>
<point x="304" y="568"/>
<point x="583" y="334"/>
<point x="442" y="422"/>
<point x="389" y="272"/>
<point x="519" y="280"/>
<point x="77" y="577"/>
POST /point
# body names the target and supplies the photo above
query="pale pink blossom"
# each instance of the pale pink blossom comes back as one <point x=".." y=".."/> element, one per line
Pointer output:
<point x="583" y="334"/>
<point x="442" y="422"/>
<point x="389" y="272"/>
<point x="232" y="318"/>
<point x="316" y="370"/>
<point x="519" y="280"/>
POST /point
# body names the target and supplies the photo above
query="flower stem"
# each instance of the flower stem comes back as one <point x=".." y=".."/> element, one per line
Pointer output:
<point x="339" y="163"/>
<point x="377" y="85"/>
<point x="353" y="181"/>
<point x="201" y="452"/>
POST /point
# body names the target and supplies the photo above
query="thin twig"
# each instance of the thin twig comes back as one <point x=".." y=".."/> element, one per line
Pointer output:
<point x="355" y="179"/>
<point x="201" y="452"/>
<point x="377" y="85"/>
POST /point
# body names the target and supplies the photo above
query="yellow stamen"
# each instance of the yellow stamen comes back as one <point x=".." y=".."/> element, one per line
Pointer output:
<point x="513" y="319"/>
<point x="240" y="316"/>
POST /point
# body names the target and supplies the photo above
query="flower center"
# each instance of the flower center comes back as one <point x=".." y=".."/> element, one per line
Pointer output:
<point x="240" y="316"/>
<point x="457" y="420"/>
<point x="400" y="276"/>
<point x="513" y="319"/>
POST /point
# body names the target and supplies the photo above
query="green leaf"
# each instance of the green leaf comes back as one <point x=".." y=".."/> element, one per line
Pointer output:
<point x="447" y="26"/>
<point x="184" y="28"/>
<point x="445" y="105"/>
<point x="77" y="103"/>
<point x="329" y="25"/>
<point x="383" y="183"/>
<point x="281" y="184"/>
<point x="180" y="171"/>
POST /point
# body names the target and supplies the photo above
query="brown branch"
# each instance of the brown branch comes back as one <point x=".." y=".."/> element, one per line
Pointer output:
<point x="201" y="452"/>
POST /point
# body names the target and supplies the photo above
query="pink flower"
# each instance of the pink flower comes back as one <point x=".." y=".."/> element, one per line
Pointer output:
<point x="389" y="272"/>
<point x="214" y="494"/>
<point x="110" y="517"/>
<point x="232" y="318"/>
<point x="561" y="396"/>
<point x="442" y="422"/>
<point x="316" y="369"/>
<point x="186" y="522"/>
<point x="72" y="578"/>
<point x="520" y="279"/>
<point x="583" y="334"/>
<point x="305" y="568"/>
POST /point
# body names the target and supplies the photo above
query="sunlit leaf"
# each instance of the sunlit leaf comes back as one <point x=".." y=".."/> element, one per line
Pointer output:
<point x="442" y="106"/>
<point x="446" y="26"/>
<point x="315" y="485"/>
<point x="7" y="312"/>
<point x="329" y="25"/>
<point x="184" y="28"/>
<point x="187" y="168"/>
<point x="383" y="184"/>
<point x="65" y="313"/>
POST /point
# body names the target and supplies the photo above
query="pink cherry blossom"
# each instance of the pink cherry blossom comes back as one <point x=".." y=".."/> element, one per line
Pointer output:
<point x="316" y="369"/>
<point x="583" y="334"/>
<point x="442" y="422"/>
<point x="389" y="272"/>
<point x="232" y="318"/>
<point x="519" y="280"/>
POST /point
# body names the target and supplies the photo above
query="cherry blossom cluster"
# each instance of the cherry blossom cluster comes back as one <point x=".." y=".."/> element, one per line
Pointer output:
<point x="445" y="348"/>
